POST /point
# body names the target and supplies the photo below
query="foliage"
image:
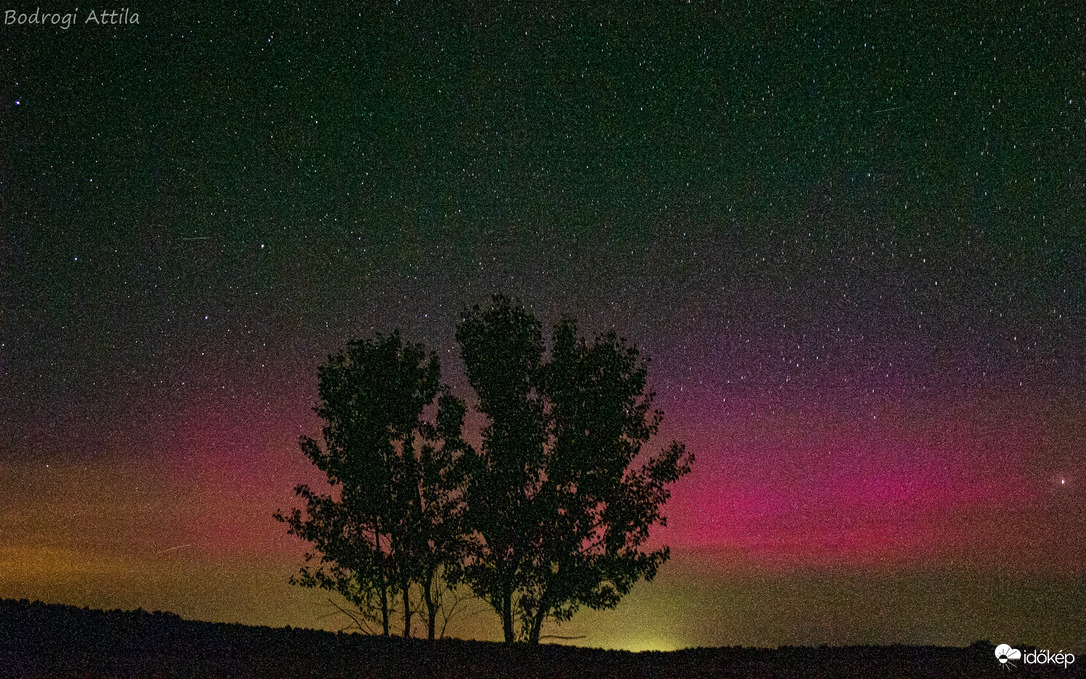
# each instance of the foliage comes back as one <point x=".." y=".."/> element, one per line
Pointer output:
<point x="559" y="510"/>
<point x="552" y="512"/>
<point x="389" y="522"/>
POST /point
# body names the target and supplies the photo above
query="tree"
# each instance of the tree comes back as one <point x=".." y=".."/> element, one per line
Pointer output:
<point x="391" y="518"/>
<point x="558" y="510"/>
<point x="437" y="540"/>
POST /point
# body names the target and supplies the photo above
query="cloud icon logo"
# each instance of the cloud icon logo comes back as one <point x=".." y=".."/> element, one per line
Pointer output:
<point x="1004" y="654"/>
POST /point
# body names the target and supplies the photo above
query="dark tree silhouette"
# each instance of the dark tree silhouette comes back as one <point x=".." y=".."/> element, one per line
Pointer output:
<point x="558" y="509"/>
<point x="437" y="529"/>
<point x="392" y="517"/>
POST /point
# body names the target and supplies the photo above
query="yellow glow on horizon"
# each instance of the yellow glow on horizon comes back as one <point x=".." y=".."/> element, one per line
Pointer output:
<point x="22" y="562"/>
<point x="638" y="644"/>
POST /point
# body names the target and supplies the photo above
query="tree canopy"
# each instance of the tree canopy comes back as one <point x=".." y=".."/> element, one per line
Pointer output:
<point x="388" y="522"/>
<point x="559" y="507"/>
<point x="550" y="512"/>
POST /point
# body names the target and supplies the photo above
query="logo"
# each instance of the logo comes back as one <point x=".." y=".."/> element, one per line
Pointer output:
<point x="1005" y="654"/>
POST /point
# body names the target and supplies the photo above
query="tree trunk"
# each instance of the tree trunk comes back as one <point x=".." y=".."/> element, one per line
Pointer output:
<point x="537" y="624"/>
<point x="431" y="608"/>
<point x="507" y="614"/>
<point x="538" y="618"/>
<point x="406" y="586"/>
<point x="383" y="584"/>
<point x="384" y="609"/>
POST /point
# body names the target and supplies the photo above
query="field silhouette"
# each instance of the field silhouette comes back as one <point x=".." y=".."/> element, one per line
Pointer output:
<point x="49" y="640"/>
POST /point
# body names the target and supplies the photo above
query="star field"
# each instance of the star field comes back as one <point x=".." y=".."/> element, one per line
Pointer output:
<point x="851" y="241"/>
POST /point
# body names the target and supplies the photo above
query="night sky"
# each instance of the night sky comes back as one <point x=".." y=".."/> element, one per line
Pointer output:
<point x="852" y="241"/>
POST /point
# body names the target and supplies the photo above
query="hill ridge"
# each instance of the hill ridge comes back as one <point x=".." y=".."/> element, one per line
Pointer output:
<point x="39" y="639"/>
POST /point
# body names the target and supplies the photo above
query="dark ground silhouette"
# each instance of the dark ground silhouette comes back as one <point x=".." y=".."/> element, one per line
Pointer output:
<point x="48" y="640"/>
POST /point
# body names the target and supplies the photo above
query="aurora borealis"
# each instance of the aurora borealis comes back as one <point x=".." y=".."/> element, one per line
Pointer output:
<point x="851" y="241"/>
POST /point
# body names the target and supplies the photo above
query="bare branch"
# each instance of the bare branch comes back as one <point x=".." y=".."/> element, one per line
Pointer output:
<point x="359" y="622"/>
